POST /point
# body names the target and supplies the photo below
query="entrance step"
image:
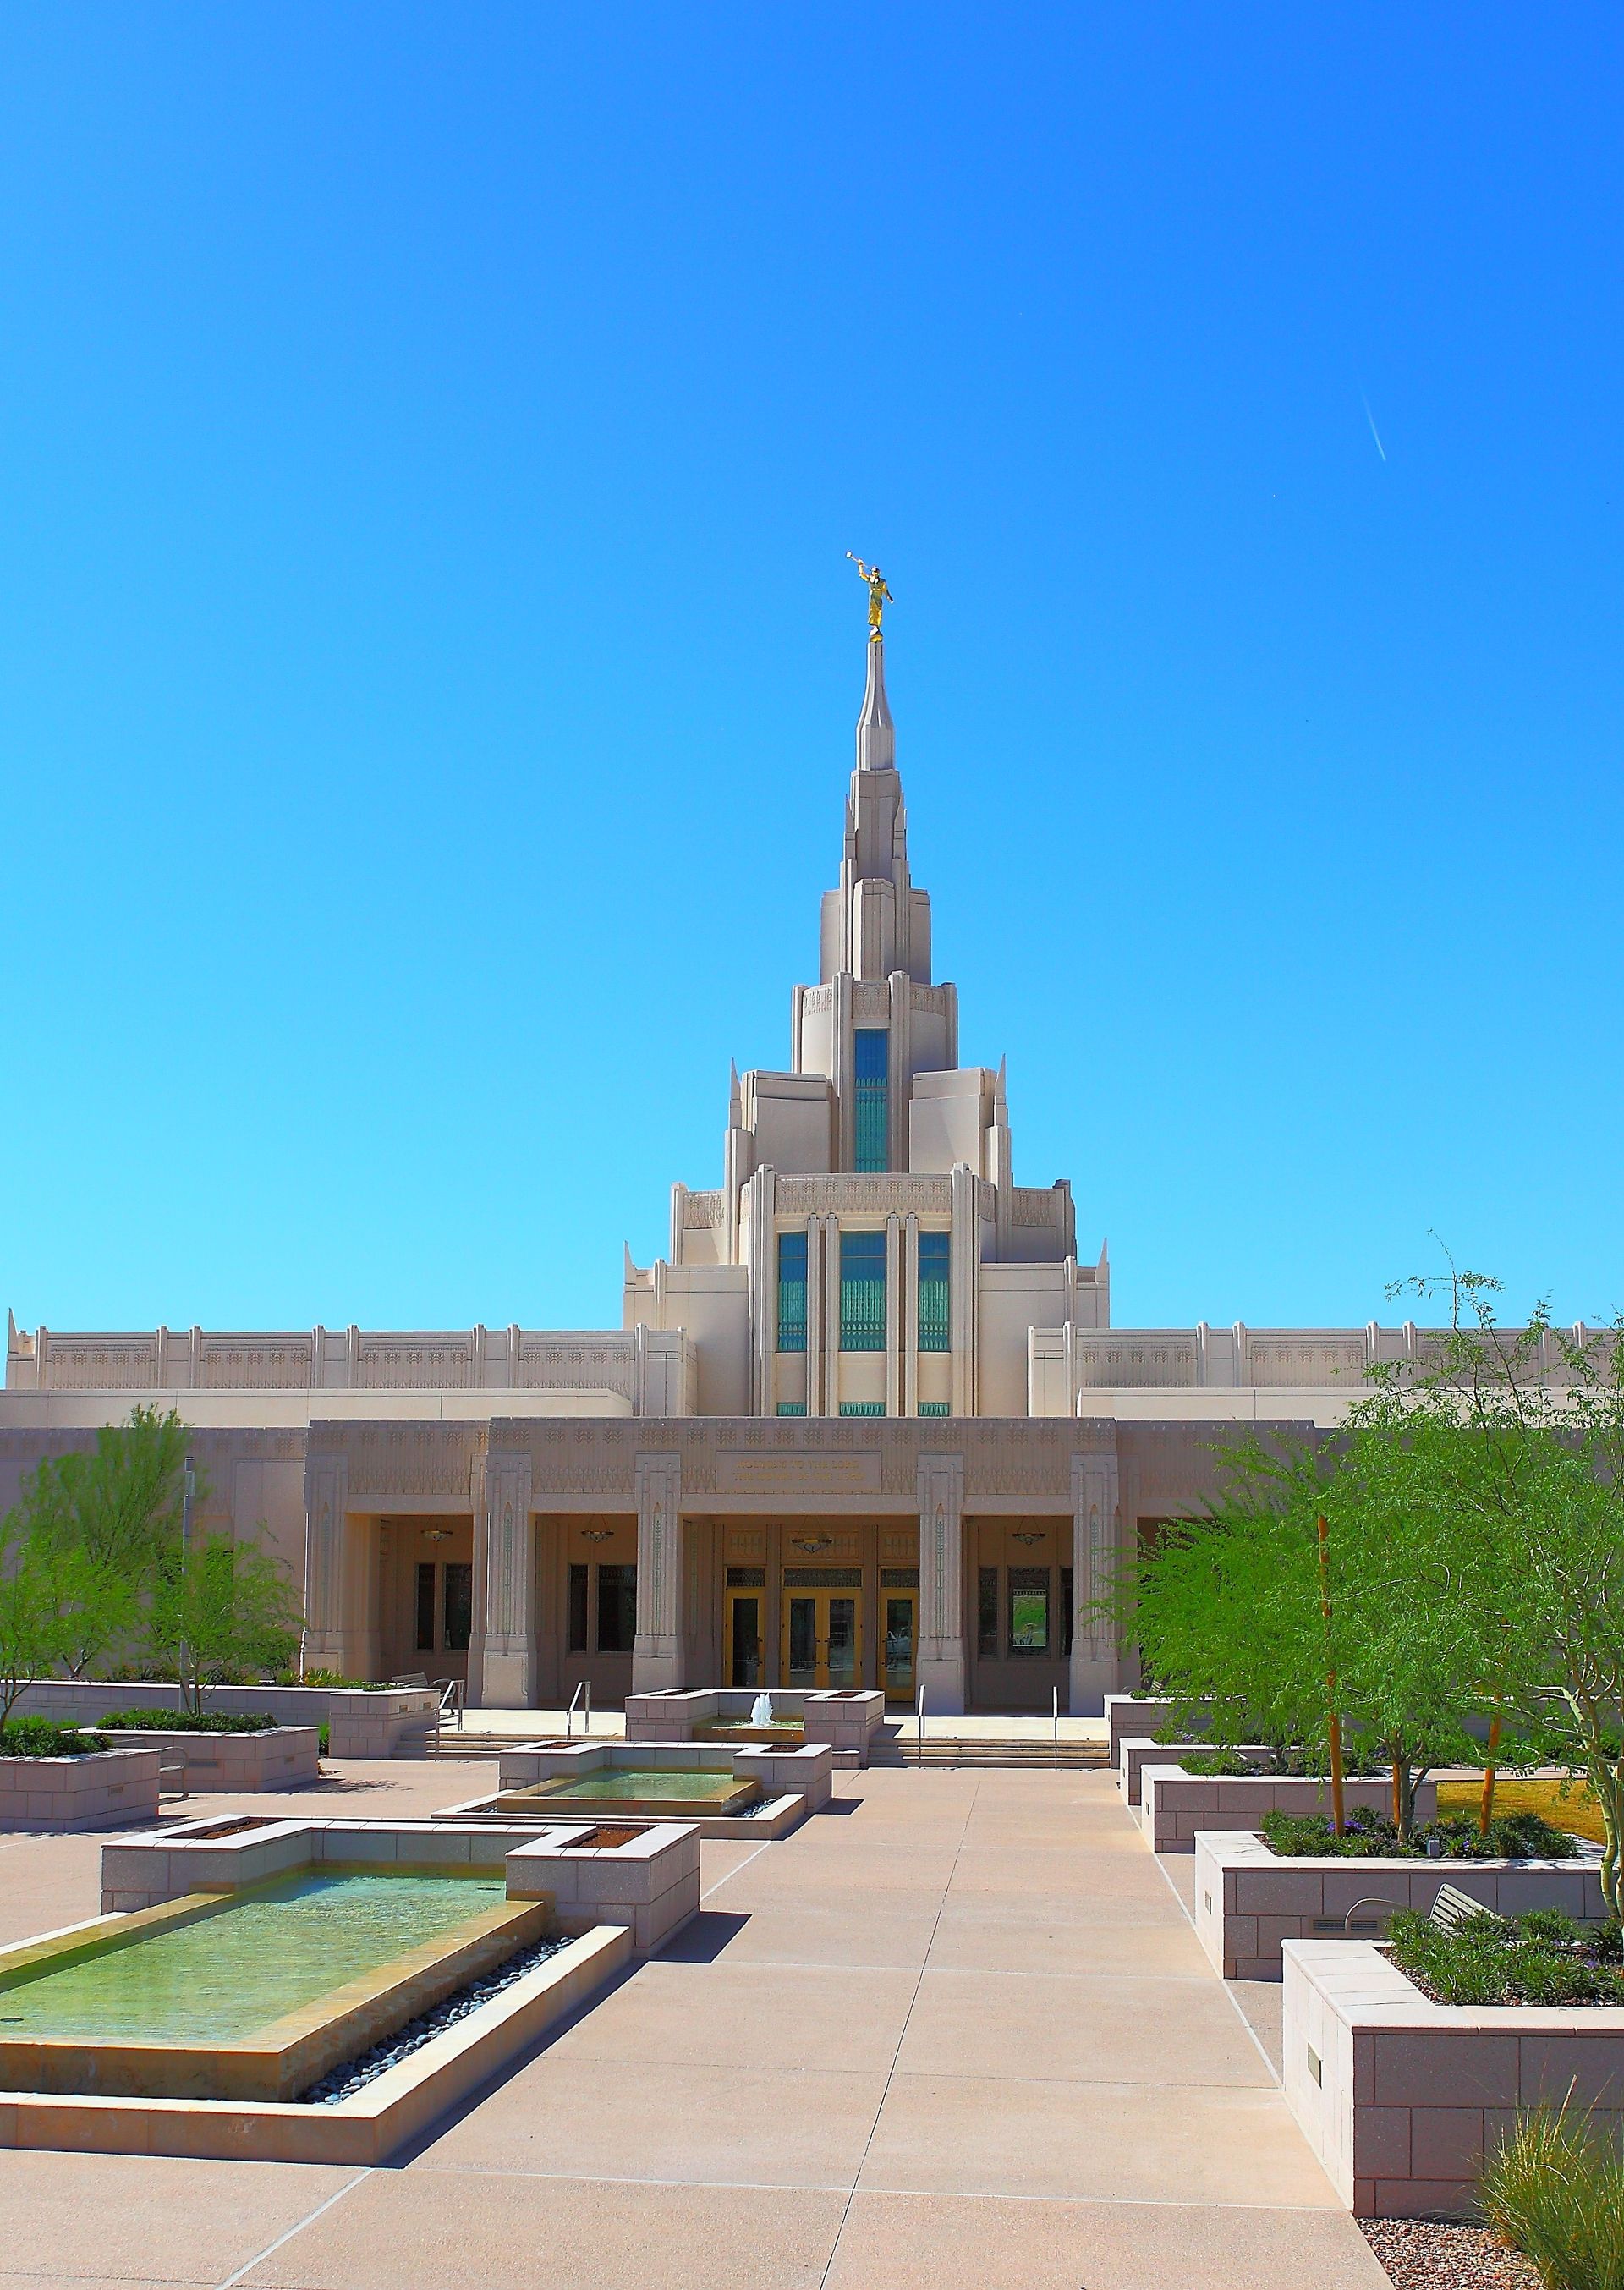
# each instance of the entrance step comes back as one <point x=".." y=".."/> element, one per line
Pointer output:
<point x="1073" y="1757"/>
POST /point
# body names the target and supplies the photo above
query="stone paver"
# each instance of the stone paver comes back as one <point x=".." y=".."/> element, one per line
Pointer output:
<point x="959" y="2032"/>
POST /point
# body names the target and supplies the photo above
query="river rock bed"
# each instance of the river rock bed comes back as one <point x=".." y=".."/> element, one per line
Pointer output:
<point x="344" y="2082"/>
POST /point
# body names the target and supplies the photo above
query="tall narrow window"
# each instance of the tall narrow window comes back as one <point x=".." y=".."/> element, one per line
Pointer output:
<point x="987" y="1613"/>
<point x="578" y="1609"/>
<point x="459" y="1604"/>
<point x="1028" y="1610"/>
<point x="870" y="1043"/>
<point x="617" y="1608"/>
<point x="1068" y="1587"/>
<point x="792" y="1291"/>
<point x="935" y="1257"/>
<point x="425" y="1607"/>
<point x="863" y="1292"/>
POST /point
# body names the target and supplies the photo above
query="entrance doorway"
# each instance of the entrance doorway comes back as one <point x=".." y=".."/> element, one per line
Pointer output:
<point x="899" y="1630"/>
<point x="742" y="1642"/>
<point x="822" y="1627"/>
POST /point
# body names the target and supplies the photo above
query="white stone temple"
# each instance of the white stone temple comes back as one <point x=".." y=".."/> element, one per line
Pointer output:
<point x="869" y="1423"/>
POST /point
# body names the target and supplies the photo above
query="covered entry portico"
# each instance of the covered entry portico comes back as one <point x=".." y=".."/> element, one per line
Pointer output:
<point x="958" y="1557"/>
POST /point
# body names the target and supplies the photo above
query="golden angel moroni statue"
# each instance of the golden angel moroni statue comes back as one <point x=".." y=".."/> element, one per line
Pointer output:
<point x="879" y="594"/>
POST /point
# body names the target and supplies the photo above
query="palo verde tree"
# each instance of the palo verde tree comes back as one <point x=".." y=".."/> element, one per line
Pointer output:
<point x="220" y="1606"/>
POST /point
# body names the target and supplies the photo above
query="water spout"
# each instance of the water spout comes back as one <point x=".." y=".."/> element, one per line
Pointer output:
<point x="761" y="1710"/>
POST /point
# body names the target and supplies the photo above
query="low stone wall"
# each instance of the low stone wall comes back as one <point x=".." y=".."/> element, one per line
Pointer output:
<point x="650" y="1882"/>
<point x="107" y="1788"/>
<point x="1398" y="2096"/>
<point x="283" y="1759"/>
<point x="81" y="1701"/>
<point x="1250" y="1901"/>
<point x="1175" y="1804"/>
<point x="844" y="1722"/>
<point x="362" y="1725"/>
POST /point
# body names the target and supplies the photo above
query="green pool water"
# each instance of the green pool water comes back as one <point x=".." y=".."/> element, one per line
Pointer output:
<point x="663" y="1780"/>
<point x="220" y="1978"/>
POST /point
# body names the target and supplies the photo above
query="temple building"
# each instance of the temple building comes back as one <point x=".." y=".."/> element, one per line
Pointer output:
<point x="868" y="1422"/>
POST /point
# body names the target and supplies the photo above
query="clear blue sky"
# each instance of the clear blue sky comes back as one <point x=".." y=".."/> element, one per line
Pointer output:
<point x="429" y="439"/>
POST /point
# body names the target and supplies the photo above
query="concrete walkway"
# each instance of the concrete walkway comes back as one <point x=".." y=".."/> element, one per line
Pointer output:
<point x="956" y="2033"/>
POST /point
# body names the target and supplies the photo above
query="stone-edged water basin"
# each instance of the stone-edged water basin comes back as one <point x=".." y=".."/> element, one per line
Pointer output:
<point x="651" y="1791"/>
<point x="252" y="1994"/>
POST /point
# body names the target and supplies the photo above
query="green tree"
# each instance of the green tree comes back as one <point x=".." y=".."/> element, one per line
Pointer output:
<point x="217" y="1607"/>
<point x="45" y="1591"/>
<point x="119" y="1506"/>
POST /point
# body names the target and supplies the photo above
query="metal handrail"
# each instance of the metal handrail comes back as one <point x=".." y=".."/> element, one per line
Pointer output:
<point x="1057" y="1724"/>
<point x="170" y="1761"/>
<point x="581" y="1688"/>
<point x="919" y="1715"/>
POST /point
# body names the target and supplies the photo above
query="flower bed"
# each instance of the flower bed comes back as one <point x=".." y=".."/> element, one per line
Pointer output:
<point x="189" y="1721"/>
<point x="1249" y="1900"/>
<point x="1542" y="1957"/>
<point x="1371" y="1835"/>
<point x="37" y="1737"/>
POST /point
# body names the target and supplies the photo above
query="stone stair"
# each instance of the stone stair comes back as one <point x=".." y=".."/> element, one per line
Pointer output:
<point x="1073" y="1757"/>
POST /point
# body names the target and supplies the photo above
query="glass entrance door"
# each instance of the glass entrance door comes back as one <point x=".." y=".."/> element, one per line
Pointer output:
<point x="822" y="1644"/>
<point x="899" y="1615"/>
<point x="741" y="1648"/>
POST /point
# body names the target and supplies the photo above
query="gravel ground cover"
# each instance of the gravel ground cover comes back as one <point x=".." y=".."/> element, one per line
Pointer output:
<point x="1441" y="2255"/>
<point x="345" y="2081"/>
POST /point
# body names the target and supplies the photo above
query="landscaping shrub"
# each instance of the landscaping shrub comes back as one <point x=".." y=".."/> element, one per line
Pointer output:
<point x="37" y="1737"/>
<point x="188" y="1721"/>
<point x="1372" y="1836"/>
<point x="1554" y="2191"/>
<point x="1544" y="1957"/>
<point x="1215" y="1763"/>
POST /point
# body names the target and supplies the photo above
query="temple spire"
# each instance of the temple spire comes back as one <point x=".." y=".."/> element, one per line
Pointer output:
<point x="877" y="738"/>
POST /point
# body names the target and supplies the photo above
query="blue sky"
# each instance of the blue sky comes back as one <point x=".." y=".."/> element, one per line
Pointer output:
<point x="429" y="439"/>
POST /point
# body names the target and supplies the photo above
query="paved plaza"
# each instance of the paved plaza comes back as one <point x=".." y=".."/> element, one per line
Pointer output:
<point x="954" y="2032"/>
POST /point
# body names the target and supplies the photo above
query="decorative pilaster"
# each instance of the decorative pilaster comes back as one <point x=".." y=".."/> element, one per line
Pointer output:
<point x="966" y="1260"/>
<point x="1096" y="1529"/>
<point x="657" y="1658"/>
<point x="326" y="1640"/>
<point x="508" y="1672"/>
<point x="894" y="1313"/>
<point x="942" y="1664"/>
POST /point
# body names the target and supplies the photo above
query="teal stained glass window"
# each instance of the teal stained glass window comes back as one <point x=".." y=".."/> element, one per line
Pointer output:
<point x="935" y="1408"/>
<point x="862" y="1407"/>
<point x="935" y="1255"/>
<point x="792" y="1291"/>
<point x="792" y="1407"/>
<point x="863" y="1292"/>
<point x="869" y="1045"/>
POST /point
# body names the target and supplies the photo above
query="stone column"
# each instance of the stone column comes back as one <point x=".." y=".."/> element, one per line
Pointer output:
<point x="327" y="1639"/>
<point x="657" y="1657"/>
<point x="942" y="1666"/>
<point x="1096" y="1525"/>
<point x="507" y="1669"/>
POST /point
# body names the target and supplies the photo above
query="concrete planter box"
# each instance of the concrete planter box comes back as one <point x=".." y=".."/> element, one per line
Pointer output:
<point x="283" y="1760"/>
<point x="1249" y="1902"/>
<point x="649" y="1881"/>
<point x="1175" y="1804"/>
<point x="107" y="1788"/>
<point x="362" y="1725"/>
<point x="1137" y="1755"/>
<point x="1133" y="1717"/>
<point x="1397" y="2096"/>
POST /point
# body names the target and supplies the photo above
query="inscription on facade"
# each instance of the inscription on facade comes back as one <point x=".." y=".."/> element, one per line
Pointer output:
<point x="752" y="1472"/>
